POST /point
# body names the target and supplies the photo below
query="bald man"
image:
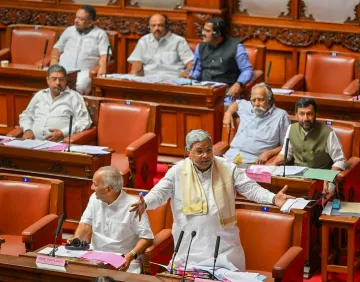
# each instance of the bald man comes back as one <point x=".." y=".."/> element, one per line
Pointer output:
<point x="161" y="53"/>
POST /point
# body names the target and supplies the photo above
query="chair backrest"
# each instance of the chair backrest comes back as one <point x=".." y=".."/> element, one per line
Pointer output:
<point x="36" y="38"/>
<point x="22" y="204"/>
<point x="266" y="236"/>
<point x="159" y="218"/>
<point x="322" y="71"/>
<point x="119" y="124"/>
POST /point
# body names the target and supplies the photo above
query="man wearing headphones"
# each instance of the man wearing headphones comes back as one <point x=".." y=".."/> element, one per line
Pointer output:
<point x="222" y="59"/>
<point x="161" y="53"/>
<point x="262" y="129"/>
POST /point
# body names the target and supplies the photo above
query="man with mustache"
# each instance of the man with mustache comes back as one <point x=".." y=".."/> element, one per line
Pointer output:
<point x="313" y="144"/>
<point x="221" y="58"/>
<point x="262" y="128"/>
<point x="202" y="190"/>
<point x="161" y="53"/>
<point x="82" y="46"/>
<point x="48" y="114"/>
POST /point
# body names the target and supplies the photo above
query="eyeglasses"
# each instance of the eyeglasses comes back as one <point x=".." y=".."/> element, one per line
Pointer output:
<point x="157" y="25"/>
<point x="61" y="79"/>
<point x="201" y="152"/>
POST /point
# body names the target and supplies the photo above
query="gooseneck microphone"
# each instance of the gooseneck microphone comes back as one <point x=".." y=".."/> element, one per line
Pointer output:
<point x="217" y="245"/>
<point x="268" y="72"/>
<point x="193" y="69"/>
<point x="44" y="54"/>
<point x="70" y="129"/>
<point x="286" y="153"/>
<point x="107" y="58"/>
<point x="61" y="221"/>
<point x="176" y="250"/>
<point x="193" y="234"/>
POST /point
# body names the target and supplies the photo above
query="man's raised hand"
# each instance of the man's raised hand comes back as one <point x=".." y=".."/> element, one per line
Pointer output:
<point x="139" y="207"/>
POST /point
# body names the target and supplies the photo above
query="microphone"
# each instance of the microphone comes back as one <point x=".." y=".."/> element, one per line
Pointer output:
<point x="268" y="72"/>
<point x="107" y="58"/>
<point x="44" y="54"/>
<point x="286" y="153"/>
<point x="70" y="129"/>
<point x="61" y="221"/>
<point x="194" y="68"/>
<point x="193" y="234"/>
<point x="176" y="250"/>
<point x="216" y="255"/>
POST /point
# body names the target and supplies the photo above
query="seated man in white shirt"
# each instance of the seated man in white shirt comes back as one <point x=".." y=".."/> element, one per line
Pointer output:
<point x="108" y="221"/>
<point x="313" y="144"/>
<point x="82" y="46"/>
<point x="48" y="114"/>
<point x="161" y="53"/>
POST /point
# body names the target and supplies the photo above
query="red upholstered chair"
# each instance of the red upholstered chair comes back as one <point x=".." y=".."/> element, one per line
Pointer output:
<point x="129" y="129"/>
<point x="271" y="243"/>
<point x="257" y="59"/>
<point x="29" y="212"/>
<point x="19" y="36"/>
<point x="319" y="72"/>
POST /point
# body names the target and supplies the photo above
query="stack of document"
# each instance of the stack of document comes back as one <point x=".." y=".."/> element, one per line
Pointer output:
<point x="92" y="150"/>
<point x="346" y="209"/>
<point x="36" y="144"/>
<point x="298" y="203"/>
<point x="116" y="260"/>
<point x="290" y="171"/>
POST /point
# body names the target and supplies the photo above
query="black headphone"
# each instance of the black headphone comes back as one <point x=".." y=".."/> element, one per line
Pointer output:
<point x="271" y="98"/>
<point x="219" y="27"/>
<point x="77" y="245"/>
<point x="167" y="25"/>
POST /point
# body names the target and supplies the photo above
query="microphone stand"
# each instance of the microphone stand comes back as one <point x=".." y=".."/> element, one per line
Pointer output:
<point x="216" y="255"/>
<point x="44" y="55"/>
<point x="286" y="153"/>
<point x="176" y="250"/>
<point x="70" y="129"/>
<point x="61" y="220"/>
<point x="193" y="234"/>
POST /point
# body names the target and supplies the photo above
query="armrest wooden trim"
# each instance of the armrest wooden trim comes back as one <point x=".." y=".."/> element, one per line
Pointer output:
<point x="17" y="132"/>
<point x="109" y="69"/>
<point x="352" y="88"/>
<point x="292" y="260"/>
<point x="5" y="54"/>
<point x="140" y="145"/>
<point x="297" y="82"/>
<point x="220" y="148"/>
<point x="38" y="226"/>
<point x="84" y="137"/>
<point x="352" y="163"/>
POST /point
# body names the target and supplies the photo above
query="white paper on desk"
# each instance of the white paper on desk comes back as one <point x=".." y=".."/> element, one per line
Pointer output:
<point x="46" y="145"/>
<point x="263" y="168"/>
<point x="51" y="267"/>
<point x="290" y="170"/>
<point x="328" y="208"/>
<point x="282" y="91"/>
<point x="62" y="252"/>
<point x="27" y="144"/>
<point x="298" y="203"/>
<point x="236" y="275"/>
<point x="6" y="137"/>
<point x="87" y="149"/>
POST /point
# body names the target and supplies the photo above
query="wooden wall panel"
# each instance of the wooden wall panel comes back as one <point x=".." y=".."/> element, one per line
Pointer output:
<point x="169" y="129"/>
<point x="20" y="102"/>
<point x="3" y="111"/>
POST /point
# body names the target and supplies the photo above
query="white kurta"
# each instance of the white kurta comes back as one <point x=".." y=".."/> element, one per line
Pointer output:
<point x="207" y="227"/>
<point x="114" y="228"/>
<point x="44" y="113"/>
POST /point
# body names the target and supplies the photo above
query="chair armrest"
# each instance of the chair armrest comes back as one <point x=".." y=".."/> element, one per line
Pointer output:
<point x="220" y="148"/>
<point x="110" y="68"/>
<point x="257" y="77"/>
<point x="290" y="265"/>
<point x="46" y="63"/>
<point x="297" y="82"/>
<point x="17" y="132"/>
<point x="40" y="233"/>
<point x="352" y="88"/>
<point x="162" y="240"/>
<point x="140" y="145"/>
<point x="353" y="168"/>
<point x="5" y="54"/>
<point x="85" y="137"/>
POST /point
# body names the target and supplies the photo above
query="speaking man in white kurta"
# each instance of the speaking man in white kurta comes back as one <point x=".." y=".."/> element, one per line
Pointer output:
<point x="202" y="189"/>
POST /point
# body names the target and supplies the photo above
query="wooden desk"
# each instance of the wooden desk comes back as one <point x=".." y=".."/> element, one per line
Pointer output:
<point x="181" y="108"/>
<point x="24" y="269"/>
<point x="350" y="224"/>
<point x="76" y="170"/>
<point x="331" y="106"/>
<point x="18" y="84"/>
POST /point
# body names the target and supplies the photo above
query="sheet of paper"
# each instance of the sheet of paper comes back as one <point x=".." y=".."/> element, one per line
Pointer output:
<point x="290" y="170"/>
<point x="62" y="252"/>
<point x="328" y="208"/>
<point x="93" y="255"/>
<point x="92" y="150"/>
<point x="58" y="147"/>
<point x="115" y="260"/>
<point x="27" y="144"/>
<point x="46" y="145"/>
<point x="298" y="203"/>
<point x="5" y="139"/>
<point x="50" y="267"/>
<point x="346" y="207"/>
<point x="321" y="174"/>
<point x="282" y="91"/>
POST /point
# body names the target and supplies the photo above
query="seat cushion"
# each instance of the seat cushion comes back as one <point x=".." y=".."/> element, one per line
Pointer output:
<point x="121" y="162"/>
<point x="13" y="245"/>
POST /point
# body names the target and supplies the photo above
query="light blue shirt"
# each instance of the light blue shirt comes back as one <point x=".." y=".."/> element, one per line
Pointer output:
<point x="257" y="134"/>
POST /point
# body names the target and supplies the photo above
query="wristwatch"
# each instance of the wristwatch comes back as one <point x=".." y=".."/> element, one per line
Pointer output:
<point x="135" y="255"/>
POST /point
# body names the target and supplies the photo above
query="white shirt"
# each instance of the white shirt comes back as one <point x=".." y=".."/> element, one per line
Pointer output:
<point x="81" y="51"/>
<point x="44" y="113"/>
<point x="166" y="57"/>
<point x="114" y="228"/>
<point x="333" y="148"/>
<point x="207" y="227"/>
